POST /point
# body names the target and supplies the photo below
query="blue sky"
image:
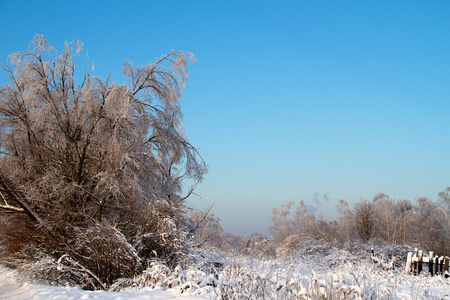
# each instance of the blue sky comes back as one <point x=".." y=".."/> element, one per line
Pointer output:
<point x="288" y="100"/>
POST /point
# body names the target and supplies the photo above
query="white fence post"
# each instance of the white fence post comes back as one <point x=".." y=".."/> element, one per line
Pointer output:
<point x="430" y="263"/>
<point x="409" y="263"/>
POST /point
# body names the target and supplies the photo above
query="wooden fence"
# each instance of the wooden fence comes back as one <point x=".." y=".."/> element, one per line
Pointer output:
<point x="435" y="265"/>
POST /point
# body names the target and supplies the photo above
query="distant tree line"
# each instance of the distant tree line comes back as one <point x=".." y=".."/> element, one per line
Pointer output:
<point x="422" y="223"/>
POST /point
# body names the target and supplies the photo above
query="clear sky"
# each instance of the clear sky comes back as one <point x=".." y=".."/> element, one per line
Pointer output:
<point x="288" y="100"/>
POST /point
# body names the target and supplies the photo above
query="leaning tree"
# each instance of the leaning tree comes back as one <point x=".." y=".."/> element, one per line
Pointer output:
<point x="91" y="172"/>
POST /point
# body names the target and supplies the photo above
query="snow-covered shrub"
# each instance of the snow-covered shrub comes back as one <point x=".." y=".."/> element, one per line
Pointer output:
<point x="305" y="246"/>
<point x="158" y="276"/>
<point x="103" y="245"/>
<point x="388" y="252"/>
<point x="320" y="253"/>
<point x="210" y="261"/>
<point x="64" y="271"/>
<point x="259" y="245"/>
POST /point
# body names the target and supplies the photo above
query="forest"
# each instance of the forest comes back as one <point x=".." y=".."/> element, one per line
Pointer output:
<point x="92" y="176"/>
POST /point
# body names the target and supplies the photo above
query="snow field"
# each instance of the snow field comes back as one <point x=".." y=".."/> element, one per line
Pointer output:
<point x="11" y="287"/>
<point x="243" y="277"/>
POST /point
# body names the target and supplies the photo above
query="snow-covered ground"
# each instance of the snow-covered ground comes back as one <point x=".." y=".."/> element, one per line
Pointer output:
<point x="246" y="278"/>
<point x="13" y="288"/>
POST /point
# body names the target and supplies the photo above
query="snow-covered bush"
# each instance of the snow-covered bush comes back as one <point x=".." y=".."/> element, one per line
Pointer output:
<point x="64" y="271"/>
<point x="158" y="276"/>
<point x="258" y="246"/>
<point x="209" y="261"/>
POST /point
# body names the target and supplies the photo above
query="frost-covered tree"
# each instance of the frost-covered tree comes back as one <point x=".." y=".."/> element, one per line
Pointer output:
<point x="393" y="218"/>
<point x="363" y="219"/>
<point x="444" y="199"/>
<point x="92" y="170"/>
<point x="430" y="226"/>
<point x="281" y="227"/>
<point x="344" y="219"/>
<point x="293" y="220"/>
<point x="383" y="209"/>
<point x="205" y="229"/>
<point x="403" y="216"/>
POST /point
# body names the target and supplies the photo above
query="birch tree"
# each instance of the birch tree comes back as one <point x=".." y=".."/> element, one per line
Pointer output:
<point x="430" y="226"/>
<point x="345" y="218"/>
<point x="87" y="161"/>
<point x="403" y="216"/>
<point x="383" y="207"/>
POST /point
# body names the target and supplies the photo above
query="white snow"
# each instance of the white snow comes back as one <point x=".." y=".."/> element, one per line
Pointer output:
<point x="13" y="288"/>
